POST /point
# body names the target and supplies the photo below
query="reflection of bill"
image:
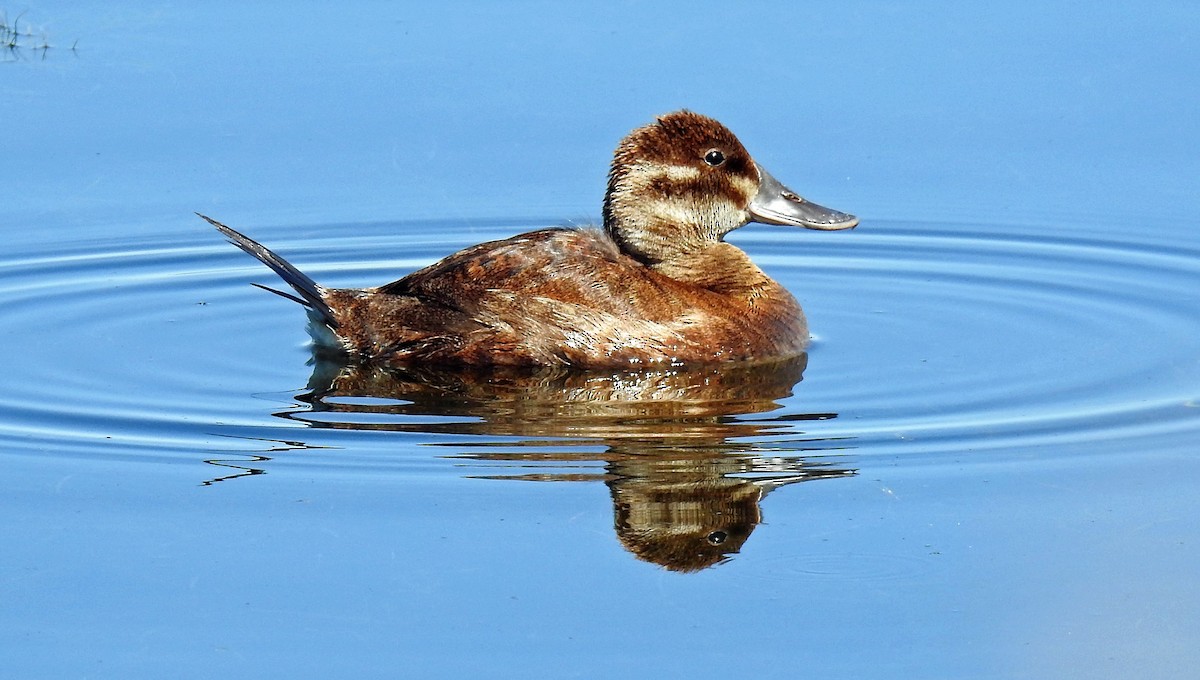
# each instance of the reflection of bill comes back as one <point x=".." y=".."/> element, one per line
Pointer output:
<point x="685" y="468"/>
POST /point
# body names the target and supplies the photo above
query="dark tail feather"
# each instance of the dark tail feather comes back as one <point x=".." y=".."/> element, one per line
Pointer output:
<point x="310" y="292"/>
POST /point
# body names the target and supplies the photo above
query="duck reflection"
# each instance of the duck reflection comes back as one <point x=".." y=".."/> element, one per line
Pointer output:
<point x="689" y="513"/>
<point x="685" y="464"/>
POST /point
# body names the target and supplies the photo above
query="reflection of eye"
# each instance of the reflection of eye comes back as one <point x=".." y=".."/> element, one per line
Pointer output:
<point x="714" y="157"/>
<point x="717" y="537"/>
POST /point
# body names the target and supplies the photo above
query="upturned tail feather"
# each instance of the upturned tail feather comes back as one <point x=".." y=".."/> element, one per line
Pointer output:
<point x="310" y="292"/>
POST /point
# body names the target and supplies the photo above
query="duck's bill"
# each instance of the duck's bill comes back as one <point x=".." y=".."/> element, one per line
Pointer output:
<point x="777" y="204"/>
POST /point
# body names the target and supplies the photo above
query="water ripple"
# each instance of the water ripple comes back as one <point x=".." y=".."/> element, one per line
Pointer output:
<point x="930" y="338"/>
<point x="967" y="333"/>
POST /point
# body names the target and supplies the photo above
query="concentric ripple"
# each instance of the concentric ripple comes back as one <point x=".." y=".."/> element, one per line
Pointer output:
<point x="930" y="339"/>
<point x="961" y="340"/>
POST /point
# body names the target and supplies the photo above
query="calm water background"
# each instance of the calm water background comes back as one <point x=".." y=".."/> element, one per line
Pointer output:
<point x="996" y="430"/>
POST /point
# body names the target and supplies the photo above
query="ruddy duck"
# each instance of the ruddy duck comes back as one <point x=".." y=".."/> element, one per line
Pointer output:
<point x="658" y="285"/>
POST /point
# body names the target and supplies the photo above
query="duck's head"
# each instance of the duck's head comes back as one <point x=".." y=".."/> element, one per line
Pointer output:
<point x="685" y="181"/>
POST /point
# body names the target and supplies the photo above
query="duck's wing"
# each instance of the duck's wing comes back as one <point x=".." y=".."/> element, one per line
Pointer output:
<point x="557" y="262"/>
<point x="549" y="297"/>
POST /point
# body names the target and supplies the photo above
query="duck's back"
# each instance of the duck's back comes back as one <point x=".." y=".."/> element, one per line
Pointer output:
<point x="562" y="296"/>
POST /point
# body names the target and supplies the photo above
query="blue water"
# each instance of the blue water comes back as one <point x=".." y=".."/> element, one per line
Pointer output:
<point x="984" y="468"/>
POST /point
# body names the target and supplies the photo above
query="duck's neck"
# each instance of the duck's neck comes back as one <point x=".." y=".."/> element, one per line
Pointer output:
<point x="655" y="229"/>
<point x="719" y="267"/>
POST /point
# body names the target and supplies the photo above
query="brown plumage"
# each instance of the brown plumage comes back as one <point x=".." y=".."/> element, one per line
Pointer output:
<point x="657" y="285"/>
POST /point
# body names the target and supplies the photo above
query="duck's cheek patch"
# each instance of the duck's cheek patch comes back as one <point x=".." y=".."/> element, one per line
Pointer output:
<point x="680" y="173"/>
<point x="661" y="174"/>
<point x="744" y="186"/>
<point x="674" y="212"/>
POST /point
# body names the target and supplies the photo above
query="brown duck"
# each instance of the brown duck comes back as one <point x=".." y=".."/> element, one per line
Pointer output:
<point x="658" y="285"/>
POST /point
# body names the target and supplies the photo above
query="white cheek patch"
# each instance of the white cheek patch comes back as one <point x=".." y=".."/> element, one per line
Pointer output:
<point x="680" y="173"/>
<point x="745" y="186"/>
<point x="711" y="216"/>
<point x="656" y="220"/>
<point x="644" y="173"/>
<point x="676" y="212"/>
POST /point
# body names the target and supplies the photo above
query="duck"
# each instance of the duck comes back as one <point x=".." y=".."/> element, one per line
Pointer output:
<point x="655" y="285"/>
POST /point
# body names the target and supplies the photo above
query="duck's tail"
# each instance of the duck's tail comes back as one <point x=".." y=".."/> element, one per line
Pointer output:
<point x="311" y="294"/>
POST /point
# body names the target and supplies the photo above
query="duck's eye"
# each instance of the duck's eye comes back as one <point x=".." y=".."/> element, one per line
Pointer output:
<point x="717" y="537"/>
<point x="714" y="157"/>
